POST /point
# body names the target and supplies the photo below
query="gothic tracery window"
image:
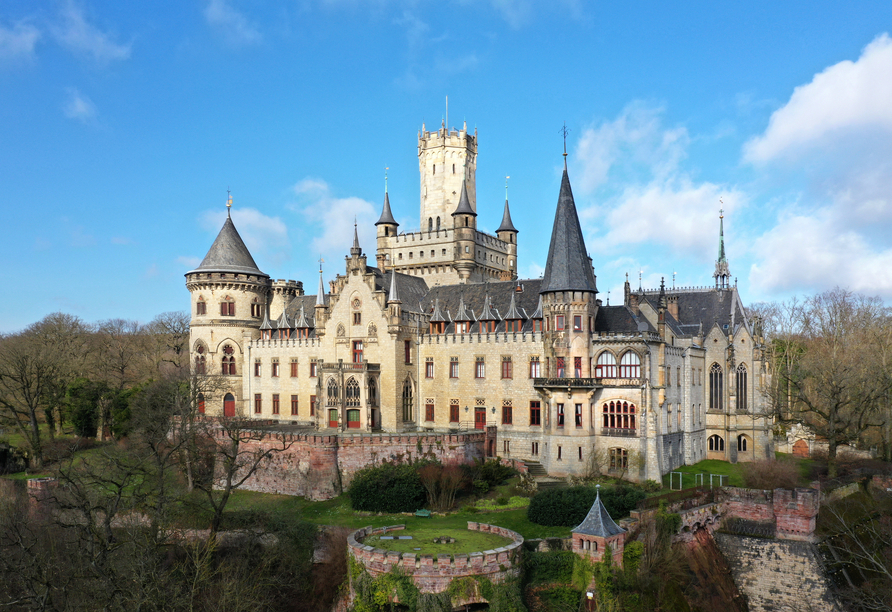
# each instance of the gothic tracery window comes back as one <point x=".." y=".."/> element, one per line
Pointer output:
<point x="716" y="444"/>
<point x="332" y="395"/>
<point x="742" y="403"/>
<point x="715" y="387"/>
<point x="228" y="361"/>
<point x="351" y="393"/>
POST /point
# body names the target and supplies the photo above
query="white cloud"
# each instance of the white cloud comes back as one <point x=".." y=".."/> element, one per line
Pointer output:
<point x="76" y="33"/>
<point x="231" y="23"/>
<point x="18" y="42"/>
<point x="808" y="252"/>
<point x="266" y="237"/>
<point x="334" y="218"/>
<point x="633" y="163"/>
<point x="637" y="138"/>
<point x="846" y="96"/>
<point x="79" y="106"/>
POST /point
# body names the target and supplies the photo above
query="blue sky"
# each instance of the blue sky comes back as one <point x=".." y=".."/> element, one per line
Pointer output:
<point x="122" y="124"/>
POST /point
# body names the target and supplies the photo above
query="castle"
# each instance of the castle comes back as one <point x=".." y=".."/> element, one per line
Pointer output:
<point x="442" y="337"/>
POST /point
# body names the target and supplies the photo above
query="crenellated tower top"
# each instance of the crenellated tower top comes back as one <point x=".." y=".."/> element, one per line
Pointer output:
<point x="445" y="159"/>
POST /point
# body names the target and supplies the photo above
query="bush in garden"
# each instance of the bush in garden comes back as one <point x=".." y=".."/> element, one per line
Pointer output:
<point x="389" y="487"/>
<point x="568" y="507"/>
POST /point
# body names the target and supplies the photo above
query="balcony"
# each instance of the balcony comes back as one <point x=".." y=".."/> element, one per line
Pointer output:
<point x="341" y="366"/>
<point x="619" y="432"/>
<point x="568" y="383"/>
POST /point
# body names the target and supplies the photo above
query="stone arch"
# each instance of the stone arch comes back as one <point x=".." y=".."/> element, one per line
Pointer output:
<point x="800" y="448"/>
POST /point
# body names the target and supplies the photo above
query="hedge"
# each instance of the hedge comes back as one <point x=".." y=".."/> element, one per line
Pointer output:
<point x="388" y="488"/>
<point x="568" y="507"/>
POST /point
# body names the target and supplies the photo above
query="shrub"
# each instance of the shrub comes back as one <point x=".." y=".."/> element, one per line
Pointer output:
<point x="388" y="487"/>
<point x="493" y="472"/>
<point x="768" y="474"/>
<point x="651" y="486"/>
<point x="550" y="567"/>
<point x="568" y="507"/>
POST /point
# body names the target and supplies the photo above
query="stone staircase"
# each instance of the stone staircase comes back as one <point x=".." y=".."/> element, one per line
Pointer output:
<point x="540" y="475"/>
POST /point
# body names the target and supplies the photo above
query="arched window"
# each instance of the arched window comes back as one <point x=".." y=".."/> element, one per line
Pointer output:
<point x="228" y="361"/>
<point x="715" y="387"/>
<point x="201" y="403"/>
<point x="351" y="392"/>
<point x="619" y="415"/>
<point x="606" y="366"/>
<point x="438" y="224"/>
<point x="373" y="392"/>
<point x="430" y="224"/>
<point x="630" y="365"/>
<point x="716" y="444"/>
<point x="743" y="443"/>
<point x="200" y="360"/>
<point x="742" y="404"/>
<point x="332" y="392"/>
<point x="407" y="400"/>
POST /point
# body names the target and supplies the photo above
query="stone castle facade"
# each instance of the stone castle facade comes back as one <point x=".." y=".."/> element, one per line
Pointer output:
<point x="440" y="336"/>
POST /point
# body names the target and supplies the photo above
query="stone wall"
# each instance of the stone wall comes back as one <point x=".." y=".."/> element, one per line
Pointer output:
<point x="776" y="575"/>
<point x="793" y="511"/>
<point x="433" y="574"/>
<point x="321" y="467"/>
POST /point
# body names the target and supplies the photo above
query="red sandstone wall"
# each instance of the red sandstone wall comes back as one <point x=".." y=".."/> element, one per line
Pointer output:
<point x="793" y="511"/>
<point x="320" y="467"/>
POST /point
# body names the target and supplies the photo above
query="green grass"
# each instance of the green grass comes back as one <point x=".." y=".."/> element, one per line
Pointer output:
<point x="733" y="471"/>
<point x="423" y="539"/>
<point x="337" y="512"/>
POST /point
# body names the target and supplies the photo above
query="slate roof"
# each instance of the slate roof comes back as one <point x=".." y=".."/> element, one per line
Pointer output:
<point x="620" y="319"/>
<point x="706" y="307"/>
<point x="386" y="215"/>
<point x="507" y="225"/>
<point x="229" y="254"/>
<point x="464" y="204"/>
<point x="598" y="522"/>
<point x="567" y="267"/>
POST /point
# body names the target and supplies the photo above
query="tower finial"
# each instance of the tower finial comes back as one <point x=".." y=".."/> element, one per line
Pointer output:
<point x="722" y="273"/>
<point x="385" y="178"/>
<point x="564" y="132"/>
<point x="506" y="187"/>
<point x="447" y="114"/>
<point x="228" y="202"/>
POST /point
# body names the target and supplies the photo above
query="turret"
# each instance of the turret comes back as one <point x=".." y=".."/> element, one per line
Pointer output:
<point x="508" y="233"/>
<point x="464" y="221"/>
<point x="387" y="228"/>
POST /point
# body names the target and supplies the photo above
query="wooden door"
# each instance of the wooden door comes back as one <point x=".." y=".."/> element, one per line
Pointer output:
<point x="229" y="405"/>
<point x="333" y="417"/>
<point x="479" y="418"/>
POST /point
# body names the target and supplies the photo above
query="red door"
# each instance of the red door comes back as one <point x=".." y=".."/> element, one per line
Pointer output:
<point x="332" y="418"/>
<point x="479" y="418"/>
<point x="229" y="405"/>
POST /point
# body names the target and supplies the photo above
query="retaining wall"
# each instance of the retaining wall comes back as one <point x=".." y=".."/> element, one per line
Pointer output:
<point x="433" y="574"/>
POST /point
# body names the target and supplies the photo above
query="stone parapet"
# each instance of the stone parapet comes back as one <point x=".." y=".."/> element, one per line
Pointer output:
<point x="432" y="574"/>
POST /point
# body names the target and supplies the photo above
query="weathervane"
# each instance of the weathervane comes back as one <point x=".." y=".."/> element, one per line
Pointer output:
<point x="506" y="187"/>
<point x="564" y="131"/>
<point x="228" y="202"/>
<point x="385" y="178"/>
<point x="321" y="261"/>
<point x="722" y="209"/>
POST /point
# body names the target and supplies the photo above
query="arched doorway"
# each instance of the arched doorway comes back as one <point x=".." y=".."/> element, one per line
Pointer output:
<point x="228" y="405"/>
<point x="800" y="448"/>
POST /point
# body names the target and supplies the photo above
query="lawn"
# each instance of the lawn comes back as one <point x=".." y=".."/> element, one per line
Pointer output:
<point x="732" y="471"/>
<point x="423" y="537"/>
<point x="337" y="512"/>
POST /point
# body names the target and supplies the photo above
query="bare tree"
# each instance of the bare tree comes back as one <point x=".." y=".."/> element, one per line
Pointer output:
<point x="239" y="449"/>
<point x="169" y="334"/>
<point x="827" y="375"/>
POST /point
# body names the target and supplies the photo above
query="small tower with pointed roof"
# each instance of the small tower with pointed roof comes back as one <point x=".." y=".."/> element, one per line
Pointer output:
<point x="597" y="532"/>
<point x="722" y="272"/>
<point x="508" y="233"/>
<point x="387" y="228"/>
<point x="229" y="295"/>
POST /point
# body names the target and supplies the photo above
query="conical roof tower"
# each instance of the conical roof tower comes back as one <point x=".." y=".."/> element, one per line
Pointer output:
<point x="229" y="254"/>
<point x="567" y="267"/>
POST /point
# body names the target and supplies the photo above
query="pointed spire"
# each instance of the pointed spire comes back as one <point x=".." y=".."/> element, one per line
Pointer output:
<point x="507" y="225"/>
<point x="487" y="314"/>
<point x="355" y="250"/>
<point x="283" y="322"/>
<point x="538" y="314"/>
<point x="567" y="267"/>
<point x="513" y="313"/>
<point x="464" y="203"/>
<point x="722" y="272"/>
<point x="598" y="522"/>
<point x="437" y="315"/>
<point x="461" y="314"/>
<point x="662" y="302"/>
<point x="392" y="295"/>
<point x="266" y="323"/>
<point x="386" y="215"/>
<point x="302" y="322"/>
<point x="320" y="295"/>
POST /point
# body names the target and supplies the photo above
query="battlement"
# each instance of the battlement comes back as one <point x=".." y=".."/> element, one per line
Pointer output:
<point x="432" y="574"/>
